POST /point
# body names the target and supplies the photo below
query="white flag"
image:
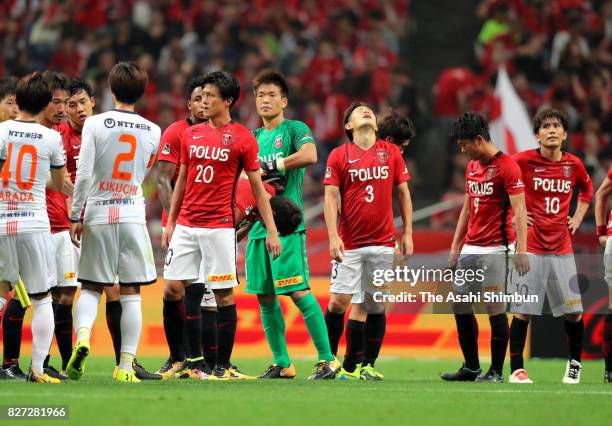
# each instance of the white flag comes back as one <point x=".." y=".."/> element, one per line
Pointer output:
<point x="511" y="130"/>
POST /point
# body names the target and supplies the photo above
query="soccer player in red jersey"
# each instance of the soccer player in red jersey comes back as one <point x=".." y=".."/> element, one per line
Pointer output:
<point x="199" y="300"/>
<point x="201" y="221"/>
<point x="550" y="176"/>
<point x="483" y="240"/>
<point x="604" y="232"/>
<point x="362" y="174"/>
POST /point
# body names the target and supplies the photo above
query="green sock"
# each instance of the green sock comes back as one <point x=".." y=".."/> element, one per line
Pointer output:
<point x="315" y="322"/>
<point x="274" y="327"/>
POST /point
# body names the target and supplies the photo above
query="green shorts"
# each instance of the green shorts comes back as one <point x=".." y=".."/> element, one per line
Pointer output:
<point x="284" y="275"/>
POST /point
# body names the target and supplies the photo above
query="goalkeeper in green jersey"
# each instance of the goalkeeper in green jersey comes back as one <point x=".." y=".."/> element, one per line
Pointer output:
<point x="287" y="147"/>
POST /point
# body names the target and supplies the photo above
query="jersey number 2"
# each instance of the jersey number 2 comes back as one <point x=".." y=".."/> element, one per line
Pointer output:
<point x="6" y="172"/>
<point x="125" y="157"/>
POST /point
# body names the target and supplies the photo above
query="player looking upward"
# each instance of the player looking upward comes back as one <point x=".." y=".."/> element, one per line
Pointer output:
<point x="200" y="225"/>
<point x="604" y="232"/>
<point x="28" y="151"/>
<point x="483" y="240"/>
<point x="118" y="150"/>
<point x="550" y="175"/>
<point x="286" y="147"/>
<point x="362" y="173"/>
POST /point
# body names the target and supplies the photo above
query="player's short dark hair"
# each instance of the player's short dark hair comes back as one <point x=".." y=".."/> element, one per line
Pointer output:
<point x="194" y="83"/>
<point x="347" y="115"/>
<point x="398" y="127"/>
<point x="56" y="81"/>
<point x="228" y="85"/>
<point x="33" y="93"/>
<point x="78" y="85"/>
<point x="546" y="114"/>
<point x="287" y="215"/>
<point x="128" y="82"/>
<point x="270" y="76"/>
<point x="469" y="125"/>
<point x="8" y="86"/>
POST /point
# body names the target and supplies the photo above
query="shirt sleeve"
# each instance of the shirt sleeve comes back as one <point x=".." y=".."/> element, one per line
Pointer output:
<point x="300" y="134"/>
<point x="250" y="160"/>
<point x="58" y="155"/>
<point x="332" y="172"/>
<point x="610" y="174"/>
<point x="584" y="184"/>
<point x="87" y="159"/>
<point x="170" y="145"/>
<point x="3" y="145"/>
<point x="400" y="171"/>
<point x="183" y="157"/>
<point x="513" y="178"/>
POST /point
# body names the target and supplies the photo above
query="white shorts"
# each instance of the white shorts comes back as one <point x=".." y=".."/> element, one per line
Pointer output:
<point x="549" y="275"/>
<point x="122" y="251"/>
<point x="490" y="267"/>
<point x="30" y="256"/>
<point x="347" y="277"/>
<point x="66" y="259"/>
<point x="205" y="255"/>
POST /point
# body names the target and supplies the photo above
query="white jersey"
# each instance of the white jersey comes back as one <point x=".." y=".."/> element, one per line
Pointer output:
<point x="118" y="149"/>
<point x="29" y="150"/>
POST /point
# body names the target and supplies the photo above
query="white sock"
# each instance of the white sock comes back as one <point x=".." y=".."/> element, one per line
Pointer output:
<point x="85" y="313"/>
<point x="131" y="326"/>
<point x="43" y="326"/>
<point x="2" y="304"/>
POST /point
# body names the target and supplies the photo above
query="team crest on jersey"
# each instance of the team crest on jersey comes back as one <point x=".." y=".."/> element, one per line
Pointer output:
<point x="491" y="172"/>
<point x="567" y="171"/>
<point x="166" y="149"/>
<point x="382" y="156"/>
<point x="227" y="139"/>
<point x="278" y="142"/>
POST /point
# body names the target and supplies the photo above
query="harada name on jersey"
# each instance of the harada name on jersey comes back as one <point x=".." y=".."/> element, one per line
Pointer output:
<point x="209" y="152"/>
<point x="480" y="188"/>
<point x="16" y="196"/>
<point x="552" y="185"/>
<point x="369" y="173"/>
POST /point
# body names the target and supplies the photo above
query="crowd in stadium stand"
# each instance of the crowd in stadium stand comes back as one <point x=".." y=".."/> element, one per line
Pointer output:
<point x="558" y="53"/>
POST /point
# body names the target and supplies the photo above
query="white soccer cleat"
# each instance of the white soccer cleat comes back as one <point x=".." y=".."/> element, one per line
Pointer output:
<point x="520" y="376"/>
<point x="572" y="372"/>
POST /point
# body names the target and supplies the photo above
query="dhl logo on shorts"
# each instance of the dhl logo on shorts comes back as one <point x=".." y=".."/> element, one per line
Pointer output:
<point x="288" y="281"/>
<point x="69" y="275"/>
<point x="221" y="278"/>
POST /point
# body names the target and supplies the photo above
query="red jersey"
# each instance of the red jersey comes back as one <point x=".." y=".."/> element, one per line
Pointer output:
<point x="170" y="150"/>
<point x="214" y="158"/>
<point x="548" y="193"/>
<point x="489" y="187"/>
<point x="245" y="205"/>
<point x="366" y="179"/>
<point x="609" y="226"/>
<point x="56" y="201"/>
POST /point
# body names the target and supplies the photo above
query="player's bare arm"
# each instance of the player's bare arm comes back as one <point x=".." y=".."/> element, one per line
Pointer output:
<point x="601" y="209"/>
<point x="520" y="212"/>
<point x="574" y="222"/>
<point x="460" y="232"/>
<point x="175" y="206"/>
<point x="262" y="197"/>
<point x="306" y="155"/>
<point x="165" y="173"/>
<point x="336" y="246"/>
<point x="405" y="206"/>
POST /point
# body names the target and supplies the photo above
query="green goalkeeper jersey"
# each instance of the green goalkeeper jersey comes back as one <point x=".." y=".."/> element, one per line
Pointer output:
<point x="287" y="138"/>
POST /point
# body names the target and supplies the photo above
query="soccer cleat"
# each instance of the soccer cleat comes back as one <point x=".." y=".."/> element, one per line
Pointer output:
<point x="325" y="370"/>
<point x="347" y="375"/>
<point x="115" y="372"/>
<point x="76" y="364"/>
<point x="490" y="376"/>
<point x="221" y="373"/>
<point x="194" y="374"/>
<point x="53" y="372"/>
<point x="236" y="374"/>
<point x="36" y="377"/>
<point x="127" y="376"/>
<point x="608" y="377"/>
<point x="172" y="368"/>
<point x="520" y="376"/>
<point x="277" y="372"/>
<point x="464" y="374"/>
<point x="368" y="373"/>
<point x="572" y="372"/>
<point x="13" y="373"/>
<point x="143" y="374"/>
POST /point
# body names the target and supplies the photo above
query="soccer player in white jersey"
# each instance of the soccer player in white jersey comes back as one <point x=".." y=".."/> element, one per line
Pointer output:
<point x="28" y="151"/>
<point x="118" y="150"/>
